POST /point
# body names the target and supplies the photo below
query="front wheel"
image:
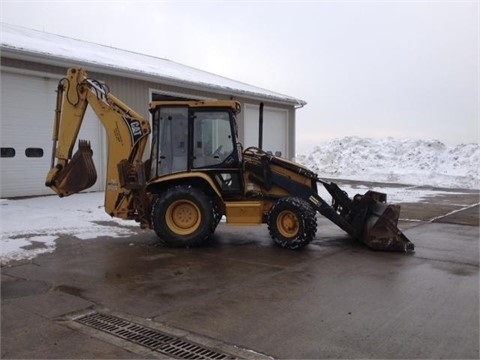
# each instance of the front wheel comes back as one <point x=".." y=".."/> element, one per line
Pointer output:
<point x="183" y="217"/>
<point x="292" y="223"/>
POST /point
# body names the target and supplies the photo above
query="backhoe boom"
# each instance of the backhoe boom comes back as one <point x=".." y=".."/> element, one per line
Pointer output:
<point x="127" y="134"/>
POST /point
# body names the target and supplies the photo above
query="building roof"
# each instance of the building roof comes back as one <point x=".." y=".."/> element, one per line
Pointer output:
<point x="26" y="44"/>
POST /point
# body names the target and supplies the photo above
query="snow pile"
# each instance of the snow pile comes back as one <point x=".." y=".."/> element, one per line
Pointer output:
<point x="416" y="162"/>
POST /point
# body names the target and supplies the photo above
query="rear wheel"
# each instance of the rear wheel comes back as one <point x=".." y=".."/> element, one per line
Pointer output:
<point x="183" y="217"/>
<point x="292" y="223"/>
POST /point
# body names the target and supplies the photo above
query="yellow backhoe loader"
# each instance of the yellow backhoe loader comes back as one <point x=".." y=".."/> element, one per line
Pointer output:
<point x="198" y="172"/>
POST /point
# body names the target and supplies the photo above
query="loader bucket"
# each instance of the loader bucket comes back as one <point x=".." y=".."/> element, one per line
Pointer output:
<point x="380" y="230"/>
<point x="79" y="174"/>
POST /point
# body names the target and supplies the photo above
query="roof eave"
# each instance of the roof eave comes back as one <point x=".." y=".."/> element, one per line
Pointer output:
<point x="48" y="59"/>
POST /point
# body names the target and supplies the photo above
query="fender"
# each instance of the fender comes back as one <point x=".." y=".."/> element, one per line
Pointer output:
<point x="182" y="176"/>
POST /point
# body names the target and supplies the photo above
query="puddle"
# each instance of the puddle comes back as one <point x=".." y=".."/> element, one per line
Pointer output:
<point x="71" y="290"/>
<point x="22" y="288"/>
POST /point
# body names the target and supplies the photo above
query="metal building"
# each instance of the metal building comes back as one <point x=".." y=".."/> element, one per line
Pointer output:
<point x="33" y="62"/>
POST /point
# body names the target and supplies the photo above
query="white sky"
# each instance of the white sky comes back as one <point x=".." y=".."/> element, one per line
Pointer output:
<point x="406" y="69"/>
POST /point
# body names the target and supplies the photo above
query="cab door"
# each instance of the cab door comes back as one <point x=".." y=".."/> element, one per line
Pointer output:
<point x="170" y="140"/>
<point x="215" y="149"/>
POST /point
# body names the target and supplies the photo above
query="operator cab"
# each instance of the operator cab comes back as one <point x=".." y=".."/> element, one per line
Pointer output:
<point x="190" y="136"/>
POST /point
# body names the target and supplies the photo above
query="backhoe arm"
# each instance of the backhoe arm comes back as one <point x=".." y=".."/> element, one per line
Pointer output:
<point x="127" y="133"/>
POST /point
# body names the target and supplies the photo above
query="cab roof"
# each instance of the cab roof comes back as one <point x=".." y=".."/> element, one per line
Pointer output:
<point x="226" y="104"/>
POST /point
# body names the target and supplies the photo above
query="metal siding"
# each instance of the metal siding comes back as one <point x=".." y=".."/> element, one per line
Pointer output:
<point x="142" y="89"/>
<point x="132" y="92"/>
<point x="136" y="93"/>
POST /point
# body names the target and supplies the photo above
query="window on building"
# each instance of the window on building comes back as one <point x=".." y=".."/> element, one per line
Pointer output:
<point x="7" y="152"/>
<point x="34" y="152"/>
<point x="164" y="97"/>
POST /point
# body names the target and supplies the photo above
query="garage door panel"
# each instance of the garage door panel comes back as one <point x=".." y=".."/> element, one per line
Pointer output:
<point x="28" y="104"/>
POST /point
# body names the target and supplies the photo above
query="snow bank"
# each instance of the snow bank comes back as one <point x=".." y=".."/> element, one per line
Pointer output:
<point x="416" y="162"/>
<point x="31" y="226"/>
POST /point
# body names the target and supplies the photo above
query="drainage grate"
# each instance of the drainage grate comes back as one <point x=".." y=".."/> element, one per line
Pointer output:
<point x="150" y="338"/>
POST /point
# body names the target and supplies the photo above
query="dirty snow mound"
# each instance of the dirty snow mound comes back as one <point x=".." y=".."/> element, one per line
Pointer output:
<point x="416" y="162"/>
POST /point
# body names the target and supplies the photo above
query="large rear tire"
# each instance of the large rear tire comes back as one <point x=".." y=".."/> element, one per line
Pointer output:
<point x="183" y="217"/>
<point x="292" y="223"/>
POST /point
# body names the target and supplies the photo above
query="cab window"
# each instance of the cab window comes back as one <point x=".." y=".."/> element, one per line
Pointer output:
<point x="212" y="139"/>
<point x="170" y="140"/>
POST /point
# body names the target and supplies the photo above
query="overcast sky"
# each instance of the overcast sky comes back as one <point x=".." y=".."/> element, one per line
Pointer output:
<point x="406" y="69"/>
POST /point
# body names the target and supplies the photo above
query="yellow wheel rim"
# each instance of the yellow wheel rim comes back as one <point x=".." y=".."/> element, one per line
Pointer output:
<point x="183" y="217"/>
<point x="288" y="224"/>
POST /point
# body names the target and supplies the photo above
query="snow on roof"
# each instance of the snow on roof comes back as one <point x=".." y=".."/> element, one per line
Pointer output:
<point x="51" y="48"/>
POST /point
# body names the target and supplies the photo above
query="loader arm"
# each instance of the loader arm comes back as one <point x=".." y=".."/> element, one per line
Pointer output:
<point x="367" y="217"/>
<point x="127" y="134"/>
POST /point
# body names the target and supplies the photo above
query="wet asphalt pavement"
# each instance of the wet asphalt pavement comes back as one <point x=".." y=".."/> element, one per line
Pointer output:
<point x="333" y="299"/>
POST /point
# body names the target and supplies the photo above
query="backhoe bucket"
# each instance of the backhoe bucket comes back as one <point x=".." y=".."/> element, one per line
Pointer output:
<point x="380" y="230"/>
<point x="79" y="174"/>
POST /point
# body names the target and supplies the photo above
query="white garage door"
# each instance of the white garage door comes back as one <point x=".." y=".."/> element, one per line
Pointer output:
<point x="275" y="128"/>
<point x="28" y="104"/>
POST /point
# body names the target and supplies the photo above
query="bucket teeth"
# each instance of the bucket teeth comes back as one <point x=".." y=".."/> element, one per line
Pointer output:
<point x="366" y="217"/>
<point x="79" y="174"/>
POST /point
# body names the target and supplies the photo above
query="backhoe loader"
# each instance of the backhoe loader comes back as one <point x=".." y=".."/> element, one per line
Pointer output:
<point x="198" y="172"/>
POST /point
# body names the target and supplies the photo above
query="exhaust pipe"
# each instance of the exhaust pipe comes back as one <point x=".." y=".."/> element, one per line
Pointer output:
<point x="260" y="127"/>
